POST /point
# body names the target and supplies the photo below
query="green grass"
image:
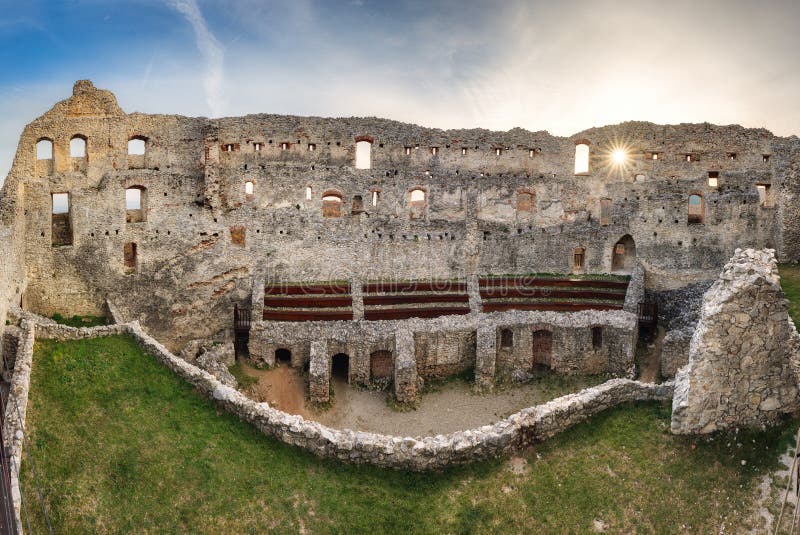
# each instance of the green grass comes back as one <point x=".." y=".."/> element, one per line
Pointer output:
<point x="79" y="321"/>
<point x="242" y="377"/>
<point x="790" y="282"/>
<point x="122" y="445"/>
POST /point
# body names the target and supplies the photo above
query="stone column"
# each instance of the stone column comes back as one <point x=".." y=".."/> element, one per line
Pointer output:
<point x="319" y="373"/>
<point x="356" y="291"/>
<point x="406" y="388"/>
<point x="485" y="358"/>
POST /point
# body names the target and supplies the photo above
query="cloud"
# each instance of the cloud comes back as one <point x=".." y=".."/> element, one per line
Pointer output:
<point x="212" y="52"/>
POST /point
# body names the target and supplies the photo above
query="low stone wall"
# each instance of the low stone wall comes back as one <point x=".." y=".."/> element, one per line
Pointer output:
<point x="16" y="410"/>
<point x="675" y="350"/>
<point x="636" y="292"/>
<point x="411" y="453"/>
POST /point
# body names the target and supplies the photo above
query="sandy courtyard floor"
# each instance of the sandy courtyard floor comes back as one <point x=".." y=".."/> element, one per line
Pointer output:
<point x="449" y="407"/>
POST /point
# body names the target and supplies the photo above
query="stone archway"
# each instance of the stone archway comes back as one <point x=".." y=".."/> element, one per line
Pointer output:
<point x="623" y="256"/>
<point x="283" y="355"/>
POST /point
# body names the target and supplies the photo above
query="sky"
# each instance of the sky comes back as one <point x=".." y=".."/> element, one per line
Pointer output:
<point x="561" y="66"/>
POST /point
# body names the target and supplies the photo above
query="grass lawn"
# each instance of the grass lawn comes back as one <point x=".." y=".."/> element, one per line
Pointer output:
<point x="79" y="321"/>
<point x="122" y="445"/>
<point x="790" y="282"/>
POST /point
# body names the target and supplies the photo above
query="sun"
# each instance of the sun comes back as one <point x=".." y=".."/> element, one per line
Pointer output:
<point x="618" y="156"/>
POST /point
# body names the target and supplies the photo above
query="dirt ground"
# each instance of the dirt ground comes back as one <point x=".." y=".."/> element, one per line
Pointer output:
<point x="449" y="407"/>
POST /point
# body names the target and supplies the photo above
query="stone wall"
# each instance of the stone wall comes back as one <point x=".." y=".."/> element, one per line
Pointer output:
<point x="740" y="360"/>
<point x="675" y="350"/>
<point x="412" y="453"/>
<point x="448" y="345"/>
<point x="189" y="269"/>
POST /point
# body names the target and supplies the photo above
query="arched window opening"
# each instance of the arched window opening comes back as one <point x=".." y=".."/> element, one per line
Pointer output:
<point x="623" y="255"/>
<point x="129" y="253"/>
<point x="44" y="149"/>
<point x="696" y="210"/>
<point x="136" y="146"/>
<point x="331" y="204"/>
<point x="525" y="201"/>
<point x="640" y="179"/>
<point x="249" y="188"/>
<point x="597" y="337"/>
<point x="578" y="258"/>
<point x="135" y="204"/>
<point x="506" y="338"/>
<point x="582" y="158"/>
<point x="77" y="147"/>
<point x="417" y="203"/>
<point x="363" y="155"/>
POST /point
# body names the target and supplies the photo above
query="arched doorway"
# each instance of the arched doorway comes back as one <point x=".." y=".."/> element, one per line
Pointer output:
<point x="623" y="256"/>
<point x="283" y="356"/>
<point x="340" y="367"/>
<point x="542" y="349"/>
<point x="381" y="366"/>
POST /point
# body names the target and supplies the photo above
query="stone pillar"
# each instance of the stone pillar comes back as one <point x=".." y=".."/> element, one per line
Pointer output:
<point x="257" y="298"/>
<point x="406" y="387"/>
<point x="474" y="291"/>
<point x="485" y="358"/>
<point x="740" y="371"/>
<point x="319" y="373"/>
<point x="356" y="291"/>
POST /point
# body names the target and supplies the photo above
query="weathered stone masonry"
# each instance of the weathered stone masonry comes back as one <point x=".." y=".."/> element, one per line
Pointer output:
<point x="492" y="202"/>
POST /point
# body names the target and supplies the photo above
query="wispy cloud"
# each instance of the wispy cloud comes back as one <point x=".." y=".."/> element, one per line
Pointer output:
<point x="212" y="52"/>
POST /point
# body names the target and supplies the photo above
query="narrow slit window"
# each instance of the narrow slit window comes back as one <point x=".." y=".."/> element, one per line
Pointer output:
<point x="407" y="151"/>
<point x="376" y="197"/>
<point x="434" y="151"/>
<point x="129" y="253"/>
<point x="765" y="158"/>
<point x="498" y="151"/>
<point x="257" y="147"/>
<point x="463" y="151"/>
<point x="312" y="147"/>
<point x="284" y="146"/>
<point x="578" y="257"/>
<point x="308" y="193"/>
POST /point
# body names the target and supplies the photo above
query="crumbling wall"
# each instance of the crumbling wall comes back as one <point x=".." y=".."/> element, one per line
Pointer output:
<point x="739" y="371"/>
<point x="496" y="202"/>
